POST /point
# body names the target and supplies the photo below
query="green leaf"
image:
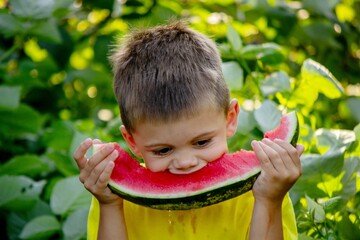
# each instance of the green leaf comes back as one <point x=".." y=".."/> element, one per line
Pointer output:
<point x="317" y="169"/>
<point x="74" y="227"/>
<point x="19" y="192"/>
<point x="46" y="30"/>
<point x="40" y="227"/>
<point x="246" y="121"/>
<point x="21" y="121"/>
<point x="59" y="135"/>
<point x="321" y="78"/>
<point x="354" y="106"/>
<point x="233" y="75"/>
<point x="276" y="82"/>
<point x="9" y="25"/>
<point x="10" y="97"/>
<point x="75" y="142"/>
<point x="16" y="221"/>
<point x="69" y="195"/>
<point x="320" y="7"/>
<point x="34" y="9"/>
<point x="348" y="181"/>
<point x="299" y="98"/>
<point x="29" y="165"/>
<point x="357" y="131"/>
<point x="316" y="208"/>
<point x="336" y="139"/>
<point x="234" y="38"/>
<point x="64" y="163"/>
<point x="348" y="229"/>
<point x="268" y="53"/>
<point x="333" y="204"/>
<point x="303" y="236"/>
<point x="267" y="116"/>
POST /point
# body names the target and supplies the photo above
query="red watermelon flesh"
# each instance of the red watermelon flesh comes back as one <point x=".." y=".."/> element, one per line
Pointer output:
<point x="225" y="178"/>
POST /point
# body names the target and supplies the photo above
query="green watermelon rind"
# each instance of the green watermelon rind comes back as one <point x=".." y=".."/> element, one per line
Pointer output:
<point x="126" y="191"/>
<point x="199" y="200"/>
<point x="208" y="196"/>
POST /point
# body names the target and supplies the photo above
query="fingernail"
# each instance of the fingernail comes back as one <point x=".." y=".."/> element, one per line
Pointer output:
<point x="109" y="147"/>
<point x="115" y="154"/>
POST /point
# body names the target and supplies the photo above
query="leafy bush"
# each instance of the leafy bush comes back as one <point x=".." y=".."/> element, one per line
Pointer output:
<point x="55" y="90"/>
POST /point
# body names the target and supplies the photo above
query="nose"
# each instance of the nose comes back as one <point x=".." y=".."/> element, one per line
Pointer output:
<point x="185" y="162"/>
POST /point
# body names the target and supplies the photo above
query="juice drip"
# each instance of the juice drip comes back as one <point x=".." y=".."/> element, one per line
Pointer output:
<point x="171" y="226"/>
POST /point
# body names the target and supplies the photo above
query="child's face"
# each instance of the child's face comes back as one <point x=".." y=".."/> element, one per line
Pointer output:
<point x="185" y="145"/>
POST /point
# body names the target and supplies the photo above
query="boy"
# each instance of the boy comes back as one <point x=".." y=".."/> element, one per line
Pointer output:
<point x="177" y="116"/>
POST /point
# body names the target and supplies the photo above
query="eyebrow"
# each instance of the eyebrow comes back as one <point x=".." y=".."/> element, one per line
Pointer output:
<point x="202" y="135"/>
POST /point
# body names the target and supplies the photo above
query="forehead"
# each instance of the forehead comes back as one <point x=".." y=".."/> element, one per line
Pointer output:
<point x="182" y="129"/>
<point x="193" y="111"/>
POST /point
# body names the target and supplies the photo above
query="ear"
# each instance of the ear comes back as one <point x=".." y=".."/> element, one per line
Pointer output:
<point x="130" y="141"/>
<point x="232" y="118"/>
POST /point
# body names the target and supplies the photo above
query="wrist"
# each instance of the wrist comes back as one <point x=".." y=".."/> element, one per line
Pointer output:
<point x="269" y="203"/>
<point x="113" y="204"/>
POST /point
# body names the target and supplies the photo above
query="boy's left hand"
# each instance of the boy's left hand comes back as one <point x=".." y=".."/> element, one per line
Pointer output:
<point x="281" y="167"/>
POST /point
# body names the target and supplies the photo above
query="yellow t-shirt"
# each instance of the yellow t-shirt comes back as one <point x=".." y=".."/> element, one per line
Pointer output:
<point x="226" y="220"/>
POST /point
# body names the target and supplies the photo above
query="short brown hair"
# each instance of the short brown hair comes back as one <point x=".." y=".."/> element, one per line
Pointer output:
<point x="166" y="72"/>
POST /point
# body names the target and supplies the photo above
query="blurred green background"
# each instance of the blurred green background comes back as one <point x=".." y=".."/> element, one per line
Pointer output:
<point x="278" y="56"/>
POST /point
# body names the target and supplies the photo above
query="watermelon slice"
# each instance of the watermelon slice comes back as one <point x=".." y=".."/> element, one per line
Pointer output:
<point x="228" y="177"/>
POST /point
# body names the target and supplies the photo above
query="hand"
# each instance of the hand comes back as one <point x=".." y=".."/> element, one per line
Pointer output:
<point x="95" y="172"/>
<point x="281" y="167"/>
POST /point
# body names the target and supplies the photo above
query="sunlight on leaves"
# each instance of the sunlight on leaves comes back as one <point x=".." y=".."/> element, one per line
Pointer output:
<point x="321" y="78"/>
<point x="33" y="50"/>
<point x="81" y="58"/>
<point x="330" y="184"/>
<point x="305" y="94"/>
<point x="344" y="12"/>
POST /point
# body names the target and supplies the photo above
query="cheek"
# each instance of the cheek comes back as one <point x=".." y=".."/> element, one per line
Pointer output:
<point x="155" y="165"/>
<point x="216" y="152"/>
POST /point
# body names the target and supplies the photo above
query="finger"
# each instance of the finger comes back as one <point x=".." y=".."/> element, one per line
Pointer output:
<point x="258" y="148"/>
<point x="292" y="152"/>
<point x="96" y="173"/>
<point x="104" y="177"/>
<point x="277" y="156"/>
<point x="94" y="160"/>
<point x="281" y="152"/>
<point x="79" y="154"/>
<point x="97" y="141"/>
<point x="99" y="156"/>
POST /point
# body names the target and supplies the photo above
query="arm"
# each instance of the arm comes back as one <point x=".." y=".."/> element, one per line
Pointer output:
<point x="281" y="168"/>
<point x="95" y="175"/>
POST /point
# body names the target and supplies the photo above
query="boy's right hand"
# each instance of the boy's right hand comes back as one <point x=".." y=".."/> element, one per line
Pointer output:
<point x="95" y="172"/>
